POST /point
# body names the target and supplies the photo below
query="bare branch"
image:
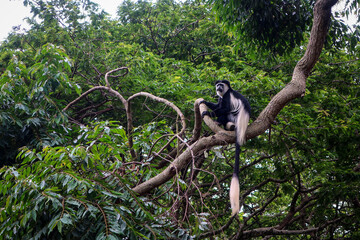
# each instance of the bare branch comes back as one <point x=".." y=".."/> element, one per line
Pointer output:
<point x="115" y="76"/>
<point x="97" y="88"/>
<point x="220" y="138"/>
<point x="166" y="102"/>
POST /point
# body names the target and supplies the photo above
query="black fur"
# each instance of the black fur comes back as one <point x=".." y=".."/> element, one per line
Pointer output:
<point x="222" y="108"/>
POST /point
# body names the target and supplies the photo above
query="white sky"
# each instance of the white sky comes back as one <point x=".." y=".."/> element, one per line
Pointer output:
<point x="12" y="13"/>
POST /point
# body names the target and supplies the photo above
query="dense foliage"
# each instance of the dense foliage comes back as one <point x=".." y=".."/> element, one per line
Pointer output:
<point x="276" y="27"/>
<point x="68" y="192"/>
<point x="69" y="174"/>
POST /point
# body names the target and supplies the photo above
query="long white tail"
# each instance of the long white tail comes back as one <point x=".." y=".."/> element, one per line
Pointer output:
<point x="242" y="122"/>
<point x="235" y="195"/>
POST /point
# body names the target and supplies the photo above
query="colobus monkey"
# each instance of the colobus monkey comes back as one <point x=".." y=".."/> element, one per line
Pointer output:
<point x="233" y="112"/>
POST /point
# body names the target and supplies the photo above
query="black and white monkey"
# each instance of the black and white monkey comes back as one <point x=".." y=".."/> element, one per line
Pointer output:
<point x="233" y="112"/>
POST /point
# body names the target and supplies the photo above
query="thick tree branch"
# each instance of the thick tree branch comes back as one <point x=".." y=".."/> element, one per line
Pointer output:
<point x="181" y="161"/>
<point x="267" y="231"/>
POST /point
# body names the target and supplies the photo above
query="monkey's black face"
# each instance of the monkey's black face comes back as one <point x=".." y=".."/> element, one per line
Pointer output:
<point x="221" y="89"/>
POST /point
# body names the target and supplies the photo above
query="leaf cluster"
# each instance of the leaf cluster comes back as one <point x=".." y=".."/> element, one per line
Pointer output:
<point x="30" y="113"/>
<point x="80" y="193"/>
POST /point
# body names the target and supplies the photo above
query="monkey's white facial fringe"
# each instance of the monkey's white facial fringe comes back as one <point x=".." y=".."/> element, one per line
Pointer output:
<point x="235" y="195"/>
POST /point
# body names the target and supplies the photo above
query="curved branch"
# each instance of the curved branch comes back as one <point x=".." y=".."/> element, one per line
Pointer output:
<point x="119" y="96"/>
<point x="166" y="102"/>
<point x="127" y="105"/>
<point x="115" y="76"/>
<point x="199" y="109"/>
<point x="111" y="91"/>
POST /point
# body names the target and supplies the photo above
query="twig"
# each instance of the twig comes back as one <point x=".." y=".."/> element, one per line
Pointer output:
<point x="105" y="220"/>
<point x="166" y="102"/>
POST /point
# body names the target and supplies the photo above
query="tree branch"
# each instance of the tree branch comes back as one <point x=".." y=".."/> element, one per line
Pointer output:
<point x="166" y="102"/>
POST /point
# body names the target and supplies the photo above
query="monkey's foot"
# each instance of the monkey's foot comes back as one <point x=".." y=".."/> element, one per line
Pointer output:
<point x="230" y="126"/>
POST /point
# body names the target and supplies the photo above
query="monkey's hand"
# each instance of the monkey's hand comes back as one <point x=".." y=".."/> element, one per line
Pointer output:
<point x="207" y="113"/>
<point x="203" y="101"/>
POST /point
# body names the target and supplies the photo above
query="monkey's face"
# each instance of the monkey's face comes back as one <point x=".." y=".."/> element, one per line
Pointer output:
<point x="221" y="89"/>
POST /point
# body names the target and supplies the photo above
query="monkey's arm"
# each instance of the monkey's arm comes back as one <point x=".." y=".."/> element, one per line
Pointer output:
<point x="211" y="105"/>
<point x="218" y="109"/>
<point x="223" y="109"/>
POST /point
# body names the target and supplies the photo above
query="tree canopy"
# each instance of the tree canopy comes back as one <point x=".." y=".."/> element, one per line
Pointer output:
<point x="102" y="135"/>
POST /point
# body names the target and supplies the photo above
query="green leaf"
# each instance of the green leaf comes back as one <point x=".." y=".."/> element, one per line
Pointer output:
<point x="66" y="219"/>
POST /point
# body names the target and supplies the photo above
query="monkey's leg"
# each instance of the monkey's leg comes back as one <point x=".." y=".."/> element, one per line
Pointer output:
<point x="222" y="120"/>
